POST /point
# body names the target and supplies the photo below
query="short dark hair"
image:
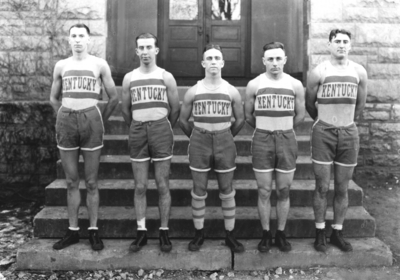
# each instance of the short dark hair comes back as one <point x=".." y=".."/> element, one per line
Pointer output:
<point x="80" y="25"/>
<point x="274" y="45"/>
<point x="147" y="35"/>
<point x="212" y="46"/>
<point x="334" y="32"/>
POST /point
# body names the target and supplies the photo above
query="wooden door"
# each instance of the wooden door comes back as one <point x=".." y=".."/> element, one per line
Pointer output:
<point x="188" y="25"/>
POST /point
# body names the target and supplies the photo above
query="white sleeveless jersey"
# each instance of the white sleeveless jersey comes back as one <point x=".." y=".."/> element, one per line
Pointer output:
<point x="274" y="103"/>
<point x="80" y="88"/>
<point x="148" y="95"/>
<point x="337" y="95"/>
<point x="212" y="109"/>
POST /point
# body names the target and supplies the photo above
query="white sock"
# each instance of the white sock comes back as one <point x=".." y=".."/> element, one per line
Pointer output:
<point x="141" y="224"/>
<point x="320" y="225"/>
<point x="337" y="227"/>
<point x="93" y="228"/>
<point x="74" y="228"/>
<point x="164" y="228"/>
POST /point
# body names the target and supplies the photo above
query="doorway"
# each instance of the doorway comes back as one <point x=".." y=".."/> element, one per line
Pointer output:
<point x="187" y="26"/>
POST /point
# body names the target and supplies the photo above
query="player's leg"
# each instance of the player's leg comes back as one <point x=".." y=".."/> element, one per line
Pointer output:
<point x="161" y="169"/>
<point x="264" y="184"/>
<point x="283" y="183"/>
<point x="140" y="175"/>
<point x="343" y="175"/>
<point x="69" y="161"/>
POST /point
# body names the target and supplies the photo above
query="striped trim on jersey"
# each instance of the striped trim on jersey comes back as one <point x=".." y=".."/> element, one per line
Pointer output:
<point x="148" y="95"/>
<point x="274" y="104"/>
<point x="212" y="110"/>
<point x="80" y="89"/>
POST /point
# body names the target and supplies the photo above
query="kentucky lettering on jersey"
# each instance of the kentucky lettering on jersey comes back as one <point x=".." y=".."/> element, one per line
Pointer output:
<point x="272" y="98"/>
<point x="148" y="95"/>
<point x="339" y="90"/>
<point x="212" y="109"/>
<point x="80" y="84"/>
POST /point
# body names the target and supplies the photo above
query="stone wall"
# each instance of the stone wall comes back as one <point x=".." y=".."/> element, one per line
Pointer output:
<point x="33" y="36"/>
<point x="375" y="26"/>
<point x="28" y="151"/>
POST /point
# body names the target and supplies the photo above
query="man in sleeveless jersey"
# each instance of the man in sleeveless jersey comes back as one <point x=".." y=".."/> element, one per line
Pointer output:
<point x="78" y="81"/>
<point x="339" y="86"/>
<point x="211" y="102"/>
<point x="274" y="106"/>
<point x="150" y="107"/>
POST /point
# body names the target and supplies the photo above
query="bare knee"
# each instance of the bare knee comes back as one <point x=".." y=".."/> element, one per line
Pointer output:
<point x="322" y="189"/>
<point x="283" y="194"/>
<point x="163" y="191"/>
<point x="91" y="185"/>
<point x="72" y="183"/>
<point x="140" y="190"/>
<point x="264" y="194"/>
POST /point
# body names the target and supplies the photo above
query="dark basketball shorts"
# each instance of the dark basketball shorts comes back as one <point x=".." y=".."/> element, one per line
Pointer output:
<point x="212" y="150"/>
<point x="152" y="140"/>
<point x="79" y="129"/>
<point x="331" y="144"/>
<point x="274" y="150"/>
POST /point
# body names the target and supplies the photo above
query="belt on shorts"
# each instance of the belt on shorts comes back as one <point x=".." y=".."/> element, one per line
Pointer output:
<point x="274" y="132"/>
<point x="149" y="122"/>
<point x="71" y="111"/>
<point x="202" y="130"/>
<point x="334" y="128"/>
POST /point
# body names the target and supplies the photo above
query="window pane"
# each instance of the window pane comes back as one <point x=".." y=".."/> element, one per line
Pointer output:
<point x="183" y="9"/>
<point x="225" y="10"/>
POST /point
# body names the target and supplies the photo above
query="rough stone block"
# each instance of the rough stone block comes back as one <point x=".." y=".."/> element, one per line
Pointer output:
<point x="372" y="3"/>
<point x="379" y="145"/>
<point x="396" y="112"/>
<point x="367" y="252"/>
<point x="375" y="115"/>
<point x="360" y="59"/>
<point x="390" y="15"/>
<point x="358" y="14"/>
<point x="390" y="160"/>
<point x="322" y="30"/>
<point x="38" y="254"/>
<point x="383" y="71"/>
<point x="6" y="43"/>
<point x="385" y="91"/>
<point x="326" y="11"/>
<point x="359" y="50"/>
<point x="389" y="55"/>
<point x="32" y="43"/>
<point x="318" y="46"/>
<point x="363" y="129"/>
<point x="91" y="9"/>
<point x="317" y="59"/>
<point x="385" y="129"/>
<point x="97" y="46"/>
<point x="385" y="35"/>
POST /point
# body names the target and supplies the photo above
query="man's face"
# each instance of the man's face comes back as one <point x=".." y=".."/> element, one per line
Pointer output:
<point x="146" y="50"/>
<point x="213" y="61"/>
<point x="340" y="45"/>
<point x="274" y="61"/>
<point x="78" y="39"/>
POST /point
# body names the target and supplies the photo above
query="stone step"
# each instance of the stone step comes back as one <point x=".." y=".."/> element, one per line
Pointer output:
<point x="121" y="193"/>
<point x="120" y="167"/>
<point x="213" y="255"/>
<point x="120" y="222"/>
<point x="118" y="145"/>
<point x="116" y="126"/>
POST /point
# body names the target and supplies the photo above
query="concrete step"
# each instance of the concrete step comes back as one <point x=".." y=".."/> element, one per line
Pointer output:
<point x="118" y="145"/>
<point x="120" y="222"/>
<point x="120" y="167"/>
<point x="121" y="193"/>
<point x="116" y="126"/>
<point x="39" y="255"/>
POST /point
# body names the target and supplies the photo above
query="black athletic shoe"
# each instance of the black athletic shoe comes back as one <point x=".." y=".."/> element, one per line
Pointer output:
<point x="266" y="242"/>
<point x="70" y="237"/>
<point x="320" y="240"/>
<point x="165" y="244"/>
<point x="281" y="242"/>
<point x="232" y="243"/>
<point x="338" y="240"/>
<point x="197" y="241"/>
<point x="139" y="242"/>
<point x="95" y="240"/>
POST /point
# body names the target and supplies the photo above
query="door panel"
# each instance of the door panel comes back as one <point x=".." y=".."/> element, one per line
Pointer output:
<point x="183" y="40"/>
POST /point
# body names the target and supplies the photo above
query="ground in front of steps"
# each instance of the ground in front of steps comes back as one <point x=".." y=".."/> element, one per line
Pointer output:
<point x="381" y="200"/>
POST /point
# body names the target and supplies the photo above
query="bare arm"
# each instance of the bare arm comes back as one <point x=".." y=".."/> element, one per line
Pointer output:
<point x="249" y="102"/>
<point x="111" y="91"/>
<point x="299" y="107"/>
<point x="173" y="97"/>
<point x="126" y="100"/>
<point x="313" y="83"/>
<point x="237" y="110"/>
<point x="56" y="87"/>
<point x="362" y="91"/>
<point x="186" y="110"/>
